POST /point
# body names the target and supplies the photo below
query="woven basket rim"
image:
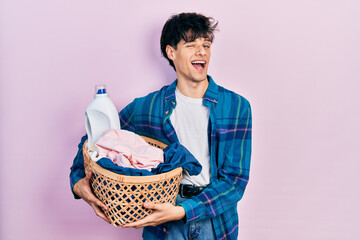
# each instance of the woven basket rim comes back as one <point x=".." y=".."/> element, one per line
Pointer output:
<point x="126" y="178"/>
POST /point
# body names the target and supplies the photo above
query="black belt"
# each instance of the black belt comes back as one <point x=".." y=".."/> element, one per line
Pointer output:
<point x="187" y="191"/>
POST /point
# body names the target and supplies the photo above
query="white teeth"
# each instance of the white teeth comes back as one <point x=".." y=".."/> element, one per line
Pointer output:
<point x="198" y="62"/>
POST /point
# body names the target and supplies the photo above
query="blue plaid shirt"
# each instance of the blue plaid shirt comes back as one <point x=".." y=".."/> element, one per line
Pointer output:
<point x="230" y="149"/>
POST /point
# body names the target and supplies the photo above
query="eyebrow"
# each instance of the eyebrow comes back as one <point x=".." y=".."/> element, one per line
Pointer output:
<point x="206" y="40"/>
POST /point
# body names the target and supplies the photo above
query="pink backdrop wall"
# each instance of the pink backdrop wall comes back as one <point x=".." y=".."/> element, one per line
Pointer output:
<point x="296" y="61"/>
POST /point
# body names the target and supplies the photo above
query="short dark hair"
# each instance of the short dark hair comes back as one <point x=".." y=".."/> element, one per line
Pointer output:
<point x="186" y="26"/>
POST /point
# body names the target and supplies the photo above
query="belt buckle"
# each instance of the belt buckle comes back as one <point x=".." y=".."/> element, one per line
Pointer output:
<point x="192" y="190"/>
<point x="181" y="191"/>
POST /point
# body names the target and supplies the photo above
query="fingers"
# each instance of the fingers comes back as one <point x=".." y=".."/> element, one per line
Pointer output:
<point x="92" y="200"/>
<point x="83" y="190"/>
<point x="100" y="213"/>
<point x="150" y="205"/>
<point x="147" y="221"/>
<point x="165" y="212"/>
<point x="88" y="175"/>
<point x="151" y="220"/>
<point x="100" y="204"/>
<point x="88" y="195"/>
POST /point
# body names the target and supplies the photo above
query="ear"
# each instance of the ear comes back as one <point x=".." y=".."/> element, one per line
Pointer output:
<point x="170" y="52"/>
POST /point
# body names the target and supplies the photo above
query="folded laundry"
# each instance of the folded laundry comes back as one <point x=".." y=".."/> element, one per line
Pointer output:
<point x="129" y="150"/>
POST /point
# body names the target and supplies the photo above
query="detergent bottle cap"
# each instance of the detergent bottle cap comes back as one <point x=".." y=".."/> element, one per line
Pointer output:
<point x="100" y="89"/>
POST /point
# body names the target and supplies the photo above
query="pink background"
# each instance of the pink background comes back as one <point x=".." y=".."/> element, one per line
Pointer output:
<point x="296" y="61"/>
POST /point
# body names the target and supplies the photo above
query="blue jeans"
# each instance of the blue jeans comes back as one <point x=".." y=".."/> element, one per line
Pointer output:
<point x="178" y="230"/>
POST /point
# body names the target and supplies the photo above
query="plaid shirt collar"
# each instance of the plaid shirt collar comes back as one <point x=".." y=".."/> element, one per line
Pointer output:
<point x="211" y="94"/>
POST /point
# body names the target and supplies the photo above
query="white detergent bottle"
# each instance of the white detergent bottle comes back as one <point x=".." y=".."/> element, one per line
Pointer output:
<point x="100" y="115"/>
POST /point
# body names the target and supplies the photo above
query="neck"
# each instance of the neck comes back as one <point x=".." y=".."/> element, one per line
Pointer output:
<point x="193" y="89"/>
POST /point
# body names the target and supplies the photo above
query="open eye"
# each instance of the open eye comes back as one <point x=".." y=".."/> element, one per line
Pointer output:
<point x="207" y="46"/>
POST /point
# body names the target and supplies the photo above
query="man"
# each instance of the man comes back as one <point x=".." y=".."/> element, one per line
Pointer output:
<point x="213" y="123"/>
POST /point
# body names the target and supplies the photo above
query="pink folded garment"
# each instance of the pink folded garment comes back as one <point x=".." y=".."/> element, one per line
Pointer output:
<point x="127" y="149"/>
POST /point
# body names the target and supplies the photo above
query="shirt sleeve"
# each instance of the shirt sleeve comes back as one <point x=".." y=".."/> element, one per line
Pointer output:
<point x="126" y="117"/>
<point x="229" y="186"/>
<point x="77" y="169"/>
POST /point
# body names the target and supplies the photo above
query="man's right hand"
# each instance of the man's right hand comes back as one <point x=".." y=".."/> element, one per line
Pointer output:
<point x="82" y="189"/>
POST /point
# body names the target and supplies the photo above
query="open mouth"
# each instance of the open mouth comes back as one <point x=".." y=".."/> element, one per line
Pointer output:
<point x="199" y="65"/>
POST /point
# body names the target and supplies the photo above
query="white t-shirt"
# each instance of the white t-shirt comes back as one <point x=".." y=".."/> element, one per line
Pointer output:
<point x="190" y="119"/>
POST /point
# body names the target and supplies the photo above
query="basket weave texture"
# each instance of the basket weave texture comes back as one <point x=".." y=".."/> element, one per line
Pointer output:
<point x="124" y="195"/>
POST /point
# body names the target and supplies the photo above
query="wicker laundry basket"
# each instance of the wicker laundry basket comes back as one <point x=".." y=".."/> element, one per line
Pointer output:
<point x="124" y="195"/>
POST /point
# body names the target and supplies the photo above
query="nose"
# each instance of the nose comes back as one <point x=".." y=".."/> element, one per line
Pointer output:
<point x="200" y="50"/>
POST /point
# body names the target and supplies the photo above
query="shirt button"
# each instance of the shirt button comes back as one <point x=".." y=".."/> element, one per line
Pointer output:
<point x="173" y="103"/>
<point x="164" y="229"/>
<point x="167" y="112"/>
<point x="165" y="100"/>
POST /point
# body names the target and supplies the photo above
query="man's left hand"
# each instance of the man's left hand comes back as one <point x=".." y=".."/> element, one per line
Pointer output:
<point x="165" y="212"/>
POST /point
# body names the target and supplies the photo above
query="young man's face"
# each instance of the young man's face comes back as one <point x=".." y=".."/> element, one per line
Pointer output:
<point x="191" y="59"/>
